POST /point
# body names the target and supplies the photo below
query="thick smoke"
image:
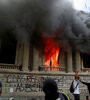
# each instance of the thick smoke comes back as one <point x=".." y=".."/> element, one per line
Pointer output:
<point x="25" y="17"/>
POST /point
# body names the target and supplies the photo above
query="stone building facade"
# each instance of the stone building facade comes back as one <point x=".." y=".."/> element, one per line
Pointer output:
<point x="29" y="59"/>
<point x="25" y="76"/>
<point x="23" y="69"/>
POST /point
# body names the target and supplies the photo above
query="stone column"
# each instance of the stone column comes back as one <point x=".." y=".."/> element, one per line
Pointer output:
<point x="69" y="61"/>
<point x="35" y="59"/>
<point x="43" y="62"/>
<point x="77" y="60"/>
<point x="19" y="54"/>
<point x="25" y="62"/>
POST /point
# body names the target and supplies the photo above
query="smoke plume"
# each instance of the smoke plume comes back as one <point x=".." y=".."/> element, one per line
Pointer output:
<point x="54" y="18"/>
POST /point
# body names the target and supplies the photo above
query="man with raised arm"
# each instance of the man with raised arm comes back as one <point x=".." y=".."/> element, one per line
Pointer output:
<point x="76" y="87"/>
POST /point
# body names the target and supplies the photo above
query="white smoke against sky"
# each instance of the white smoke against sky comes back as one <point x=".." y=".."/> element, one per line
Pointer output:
<point x="83" y="5"/>
<point x="25" y="16"/>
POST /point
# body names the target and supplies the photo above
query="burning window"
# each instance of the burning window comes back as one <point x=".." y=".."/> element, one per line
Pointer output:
<point x="51" y="51"/>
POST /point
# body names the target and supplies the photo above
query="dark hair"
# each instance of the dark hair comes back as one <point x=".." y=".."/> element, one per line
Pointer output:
<point x="50" y="89"/>
<point x="75" y="77"/>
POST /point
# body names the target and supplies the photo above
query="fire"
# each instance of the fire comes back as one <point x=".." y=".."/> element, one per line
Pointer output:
<point x="51" y="54"/>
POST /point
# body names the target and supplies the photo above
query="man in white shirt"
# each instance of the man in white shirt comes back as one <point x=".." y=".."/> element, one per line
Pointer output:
<point x="76" y="87"/>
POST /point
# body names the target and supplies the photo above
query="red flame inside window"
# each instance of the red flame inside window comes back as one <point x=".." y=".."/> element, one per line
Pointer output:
<point x="51" y="54"/>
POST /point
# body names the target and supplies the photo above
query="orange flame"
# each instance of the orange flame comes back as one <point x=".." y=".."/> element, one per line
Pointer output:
<point x="51" y="55"/>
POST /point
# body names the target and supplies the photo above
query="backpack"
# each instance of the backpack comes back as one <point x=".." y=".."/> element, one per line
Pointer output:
<point x="71" y="88"/>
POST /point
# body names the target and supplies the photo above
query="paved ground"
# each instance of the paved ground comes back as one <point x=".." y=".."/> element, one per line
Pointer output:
<point x="84" y="98"/>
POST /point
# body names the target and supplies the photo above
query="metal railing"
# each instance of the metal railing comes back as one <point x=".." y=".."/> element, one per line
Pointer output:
<point x="47" y="68"/>
<point x="9" y="66"/>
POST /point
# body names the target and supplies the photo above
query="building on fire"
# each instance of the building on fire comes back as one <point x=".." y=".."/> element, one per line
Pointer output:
<point x="26" y="57"/>
<point x="24" y="63"/>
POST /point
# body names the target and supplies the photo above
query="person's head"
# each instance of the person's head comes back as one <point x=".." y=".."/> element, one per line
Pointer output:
<point x="76" y="78"/>
<point x="50" y="89"/>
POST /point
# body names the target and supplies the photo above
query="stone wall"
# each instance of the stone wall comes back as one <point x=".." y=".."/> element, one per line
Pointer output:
<point x="26" y="84"/>
<point x="22" y="98"/>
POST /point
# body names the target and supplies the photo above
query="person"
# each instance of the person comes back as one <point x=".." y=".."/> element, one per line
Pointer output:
<point x="0" y="88"/>
<point x="76" y="87"/>
<point x="88" y="86"/>
<point x="51" y="91"/>
<point x="50" y="64"/>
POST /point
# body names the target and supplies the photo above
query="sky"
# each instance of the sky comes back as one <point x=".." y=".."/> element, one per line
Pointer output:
<point x="81" y="5"/>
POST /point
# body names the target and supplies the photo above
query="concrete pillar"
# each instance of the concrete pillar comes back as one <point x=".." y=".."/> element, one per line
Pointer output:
<point x="69" y="61"/>
<point x="77" y="60"/>
<point x="25" y="63"/>
<point x="43" y="61"/>
<point x="20" y="58"/>
<point x="40" y="58"/>
<point x="19" y="54"/>
<point x="35" y="59"/>
<point x="40" y="61"/>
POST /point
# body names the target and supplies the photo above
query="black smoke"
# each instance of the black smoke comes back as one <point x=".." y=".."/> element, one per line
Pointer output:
<point x="25" y="17"/>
